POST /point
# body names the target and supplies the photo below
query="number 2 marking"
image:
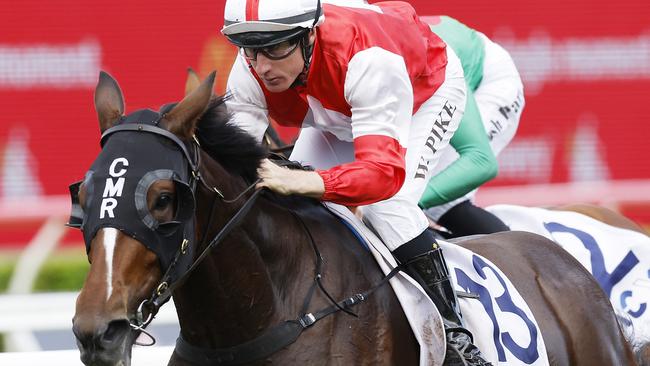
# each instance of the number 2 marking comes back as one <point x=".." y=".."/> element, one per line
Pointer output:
<point x="606" y="279"/>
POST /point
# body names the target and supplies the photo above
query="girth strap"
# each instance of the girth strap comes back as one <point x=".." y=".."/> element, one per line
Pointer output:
<point x="263" y="346"/>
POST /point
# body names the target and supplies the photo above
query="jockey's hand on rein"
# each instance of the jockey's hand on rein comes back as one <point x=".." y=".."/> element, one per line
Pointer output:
<point x="287" y="181"/>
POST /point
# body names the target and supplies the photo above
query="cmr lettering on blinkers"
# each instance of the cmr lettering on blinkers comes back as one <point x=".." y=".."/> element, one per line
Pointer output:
<point x="113" y="188"/>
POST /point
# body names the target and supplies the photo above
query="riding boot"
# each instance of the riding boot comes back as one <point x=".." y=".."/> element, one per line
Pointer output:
<point x="430" y="271"/>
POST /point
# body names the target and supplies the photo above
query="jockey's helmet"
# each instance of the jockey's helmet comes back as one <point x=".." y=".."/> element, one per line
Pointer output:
<point x="263" y="23"/>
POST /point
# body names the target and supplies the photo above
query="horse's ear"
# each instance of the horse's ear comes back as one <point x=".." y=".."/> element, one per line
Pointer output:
<point x="109" y="102"/>
<point x="193" y="82"/>
<point x="181" y="120"/>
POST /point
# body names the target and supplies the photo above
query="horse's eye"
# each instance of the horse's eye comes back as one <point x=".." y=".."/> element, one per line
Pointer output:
<point x="163" y="201"/>
<point x="81" y="196"/>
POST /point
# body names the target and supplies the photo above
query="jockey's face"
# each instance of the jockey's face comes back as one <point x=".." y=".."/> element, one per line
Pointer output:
<point x="279" y="74"/>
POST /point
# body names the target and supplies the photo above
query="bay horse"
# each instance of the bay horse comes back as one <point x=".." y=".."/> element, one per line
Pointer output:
<point x="168" y="209"/>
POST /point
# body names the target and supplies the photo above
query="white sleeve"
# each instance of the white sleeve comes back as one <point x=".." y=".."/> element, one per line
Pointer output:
<point x="246" y="104"/>
<point x="379" y="92"/>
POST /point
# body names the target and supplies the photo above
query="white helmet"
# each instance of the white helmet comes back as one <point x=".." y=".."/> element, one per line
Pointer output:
<point x="261" y="23"/>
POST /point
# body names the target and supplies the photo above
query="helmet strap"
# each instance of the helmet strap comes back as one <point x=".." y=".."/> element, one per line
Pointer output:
<point x="318" y="13"/>
<point x="307" y="50"/>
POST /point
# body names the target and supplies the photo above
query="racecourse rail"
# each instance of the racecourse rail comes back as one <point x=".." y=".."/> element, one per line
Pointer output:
<point x="22" y="313"/>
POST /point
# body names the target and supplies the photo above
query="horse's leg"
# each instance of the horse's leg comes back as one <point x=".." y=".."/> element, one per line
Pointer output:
<point x="576" y="319"/>
<point x="603" y="214"/>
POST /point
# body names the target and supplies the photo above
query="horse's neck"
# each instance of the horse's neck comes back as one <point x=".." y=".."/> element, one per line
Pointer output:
<point x="241" y="286"/>
<point x="261" y="276"/>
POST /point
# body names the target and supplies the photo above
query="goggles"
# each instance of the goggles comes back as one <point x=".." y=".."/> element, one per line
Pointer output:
<point x="275" y="52"/>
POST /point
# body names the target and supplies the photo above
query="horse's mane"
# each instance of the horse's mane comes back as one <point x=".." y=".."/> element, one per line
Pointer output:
<point x="233" y="148"/>
<point x="236" y="150"/>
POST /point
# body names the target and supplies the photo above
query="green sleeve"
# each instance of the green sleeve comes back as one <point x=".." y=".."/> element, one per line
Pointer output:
<point x="475" y="166"/>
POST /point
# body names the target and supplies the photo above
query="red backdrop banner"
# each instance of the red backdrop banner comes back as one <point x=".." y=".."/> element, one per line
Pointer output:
<point x="585" y="65"/>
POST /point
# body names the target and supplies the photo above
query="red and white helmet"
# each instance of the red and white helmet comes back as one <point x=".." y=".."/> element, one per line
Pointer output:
<point x="261" y="23"/>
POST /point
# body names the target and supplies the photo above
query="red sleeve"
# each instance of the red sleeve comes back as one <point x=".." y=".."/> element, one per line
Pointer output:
<point x="377" y="173"/>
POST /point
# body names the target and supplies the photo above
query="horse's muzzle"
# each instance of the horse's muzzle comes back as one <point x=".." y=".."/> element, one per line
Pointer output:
<point x="108" y="344"/>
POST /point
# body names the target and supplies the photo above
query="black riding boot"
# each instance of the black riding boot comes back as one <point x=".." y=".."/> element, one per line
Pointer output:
<point x="430" y="271"/>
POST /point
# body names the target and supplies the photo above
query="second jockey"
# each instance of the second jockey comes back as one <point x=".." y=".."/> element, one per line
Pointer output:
<point x="378" y="96"/>
<point x="495" y="100"/>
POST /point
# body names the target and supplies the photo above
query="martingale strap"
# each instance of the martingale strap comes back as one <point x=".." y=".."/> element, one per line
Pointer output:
<point x="274" y="339"/>
<point x="266" y="344"/>
<point x="284" y="334"/>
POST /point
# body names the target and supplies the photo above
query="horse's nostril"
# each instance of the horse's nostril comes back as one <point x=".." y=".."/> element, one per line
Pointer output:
<point x="115" y="332"/>
<point x="84" y="338"/>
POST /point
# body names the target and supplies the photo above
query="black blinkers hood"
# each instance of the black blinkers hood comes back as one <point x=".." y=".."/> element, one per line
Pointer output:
<point x="135" y="154"/>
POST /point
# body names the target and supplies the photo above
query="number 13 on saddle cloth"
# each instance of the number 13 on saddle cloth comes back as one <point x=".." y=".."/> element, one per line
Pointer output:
<point x="502" y="323"/>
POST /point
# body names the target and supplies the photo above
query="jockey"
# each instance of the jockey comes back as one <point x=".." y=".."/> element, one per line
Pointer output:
<point x="495" y="100"/>
<point x="376" y="108"/>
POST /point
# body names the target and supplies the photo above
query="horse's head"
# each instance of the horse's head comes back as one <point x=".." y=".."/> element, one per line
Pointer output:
<point x="136" y="210"/>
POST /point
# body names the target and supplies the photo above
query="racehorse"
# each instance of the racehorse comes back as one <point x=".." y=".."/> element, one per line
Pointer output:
<point x="169" y="207"/>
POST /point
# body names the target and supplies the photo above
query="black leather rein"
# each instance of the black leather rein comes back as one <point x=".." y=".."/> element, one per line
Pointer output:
<point x="281" y="335"/>
<point x="274" y="338"/>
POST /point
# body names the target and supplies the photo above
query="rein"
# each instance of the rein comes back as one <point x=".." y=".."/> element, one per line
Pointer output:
<point x="274" y="338"/>
<point x="161" y="297"/>
<point x="284" y="334"/>
<point x="164" y="290"/>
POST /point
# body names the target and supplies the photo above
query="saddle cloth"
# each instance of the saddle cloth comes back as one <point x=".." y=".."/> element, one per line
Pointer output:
<point x="618" y="258"/>
<point x="505" y="330"/>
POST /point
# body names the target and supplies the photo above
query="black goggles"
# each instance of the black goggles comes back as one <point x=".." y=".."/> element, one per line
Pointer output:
<point x="274" y="52"/>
